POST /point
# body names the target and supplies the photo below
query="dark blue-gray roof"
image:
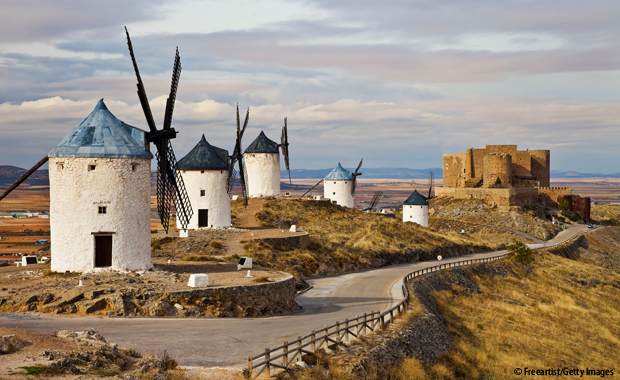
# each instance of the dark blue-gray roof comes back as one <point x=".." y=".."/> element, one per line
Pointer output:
<point x="203" y="156"/>
<point x="101" y="134"/>
<point x="416" y="199"/>
<point x="262" y="144"/>
<point x="339" y="174"/>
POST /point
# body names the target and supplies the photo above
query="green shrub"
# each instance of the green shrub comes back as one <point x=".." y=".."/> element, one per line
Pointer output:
<point x="521" y="252"/>
<point x="563" y="204"/>
<point x="572" y="215"/>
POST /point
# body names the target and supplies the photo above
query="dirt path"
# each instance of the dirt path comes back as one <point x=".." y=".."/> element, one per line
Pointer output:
<point x="246" y="221"/>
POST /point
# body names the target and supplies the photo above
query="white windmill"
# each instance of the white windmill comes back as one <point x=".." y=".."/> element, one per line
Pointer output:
<point x="340" y="185"/>
<point x="262" y="163"/>
<point x="205" y="173"/>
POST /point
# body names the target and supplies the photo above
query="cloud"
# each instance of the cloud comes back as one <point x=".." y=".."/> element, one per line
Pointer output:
<point x="414" y="132"/>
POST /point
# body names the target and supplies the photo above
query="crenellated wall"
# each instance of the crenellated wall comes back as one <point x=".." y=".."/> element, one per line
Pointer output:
<point x="505" y="198"/>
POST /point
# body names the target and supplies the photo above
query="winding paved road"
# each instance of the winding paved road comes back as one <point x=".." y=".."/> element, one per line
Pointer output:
<point x="226" y="342"/>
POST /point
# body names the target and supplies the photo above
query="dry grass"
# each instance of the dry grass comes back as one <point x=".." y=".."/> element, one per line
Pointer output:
<point x="262" y="279"/>
<point x="605" y="214"/>
<point x="199" y="258"/>
<point x="343" y="239"/>
<point x="565" y="314"/>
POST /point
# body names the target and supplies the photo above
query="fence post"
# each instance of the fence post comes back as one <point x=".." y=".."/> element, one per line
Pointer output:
<point x="382" y="320"/>
<point x="338" y="332"/>
<point x="299" y="348"/>
<point x="313" y="341"/>
<point x="326" y="337"/>
<point x="268" y="360"/>
<point x="285" y="357"/>
<point x="391" y="316"/>
<point x="364" y="324"/>
<point x="346" y="328"/>
<point x="250" y="366"/>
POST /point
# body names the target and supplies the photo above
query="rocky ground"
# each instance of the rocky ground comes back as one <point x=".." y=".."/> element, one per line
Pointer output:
<point x="478" y="212"/>
<point x="162" y="292"/>
<point x="86" y="355"/>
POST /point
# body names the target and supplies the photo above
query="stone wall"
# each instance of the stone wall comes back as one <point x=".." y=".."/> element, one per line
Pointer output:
<point x="236" y="301"/>
<point x="453" y="169"/>
<point x="503" y="198"/>
<point x="579" y="204"/>
<point x="497" y="165"/>
<point x="288" y="243"/>
<point x="541" y="164"/>
<point x="550" y="196"/>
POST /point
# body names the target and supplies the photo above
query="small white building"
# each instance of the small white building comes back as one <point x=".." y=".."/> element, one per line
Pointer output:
<point x="262" y="163"/>
<point x="100" y="192"/>
<point x="205" y="174"/>
<point x="338" y="187"/>
<point x="415" y="209"/>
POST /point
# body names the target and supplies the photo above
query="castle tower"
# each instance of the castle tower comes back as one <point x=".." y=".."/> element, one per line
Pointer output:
<point x="338" y="186"/>
<point x="205" y="174"/>
<point x="497" y="165"/>
<point x="262" y="163"/>
<point x="415" y="209"/>
<point x="100" y="192"/>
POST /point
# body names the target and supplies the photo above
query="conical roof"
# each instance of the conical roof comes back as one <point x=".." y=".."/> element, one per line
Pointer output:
<point x="202" y="157"/>
<point x="262" y="144"/>
<point x="416" y="199"/>
<point x="101" y="134"/>
<point x="339" y="174"/>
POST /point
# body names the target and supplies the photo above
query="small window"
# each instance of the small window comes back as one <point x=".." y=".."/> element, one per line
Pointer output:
<point x="334" y="193"/>
<point x="446" y="166"/>
<point x="133" y="167"/>
<point x="463" y="170"/>
<point x="334" y="182"/>
<point x="345" y="182"/>
<point x="202" y="172"/>
<point x="91" y="167"/>
<point x="202" y="193"/>
<point x="60" y="166"/>
<point x="103" y="209"/>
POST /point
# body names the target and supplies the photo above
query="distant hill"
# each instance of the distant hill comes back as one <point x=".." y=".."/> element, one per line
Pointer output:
<point x="10" y="174"/>
<point x="388" y="173"/>
<point x="571" y="174"/>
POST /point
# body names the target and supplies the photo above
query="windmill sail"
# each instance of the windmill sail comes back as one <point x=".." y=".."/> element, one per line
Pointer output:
<point x="24" y="177"/>
<point x="355" y="175"/>
<point x="170" y="186"/>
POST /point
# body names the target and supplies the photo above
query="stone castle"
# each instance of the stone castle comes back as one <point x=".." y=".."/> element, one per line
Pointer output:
<point x="501" y="175"/>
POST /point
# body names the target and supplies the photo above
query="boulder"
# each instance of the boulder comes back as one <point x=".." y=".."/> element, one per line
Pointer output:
<point x="10" y="343"/>
<point x="198" y="280"/>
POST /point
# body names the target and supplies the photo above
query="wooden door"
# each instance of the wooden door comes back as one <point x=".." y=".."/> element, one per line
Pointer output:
<point x="203" y="218"/>
<point x="103" y="251"/>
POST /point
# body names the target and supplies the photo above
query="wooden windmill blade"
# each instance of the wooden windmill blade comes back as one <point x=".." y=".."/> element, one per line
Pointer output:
<point x="284" y="146"/>
<point x="355" y="175"/>
<point x="176" y="74"/>
<point x="431" y="176"/>
<point x="146" y="108"/>
<point x="170" y="186"/>
<point x="309" y="190"/>
<point x="24" y="177"/>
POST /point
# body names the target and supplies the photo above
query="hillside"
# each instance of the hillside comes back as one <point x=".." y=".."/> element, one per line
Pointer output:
<point x="490" y="320"/>
<point x="10" y="174"/>
<point x="343" y="239"/>
<point x="478" y="212"/>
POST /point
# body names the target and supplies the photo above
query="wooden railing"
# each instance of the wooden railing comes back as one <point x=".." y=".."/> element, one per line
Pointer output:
<point x="288" y="353"/>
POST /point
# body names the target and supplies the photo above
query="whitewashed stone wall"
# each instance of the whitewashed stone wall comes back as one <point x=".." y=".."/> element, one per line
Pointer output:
<point x="416" y="214"/>
<point x="216" y="199"/>
<point x="263" y="174"/>
<point x="75" y="196"/>
<point x="340" y="191"/>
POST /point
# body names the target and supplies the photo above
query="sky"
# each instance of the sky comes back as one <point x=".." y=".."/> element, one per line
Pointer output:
<point x="397" y="82"/>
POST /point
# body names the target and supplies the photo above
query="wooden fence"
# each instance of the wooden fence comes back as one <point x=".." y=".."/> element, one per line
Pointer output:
<point x="283" y="356"/>
<point x="288" y="353"/>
